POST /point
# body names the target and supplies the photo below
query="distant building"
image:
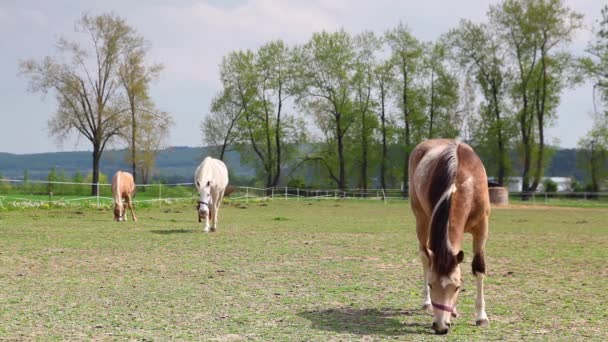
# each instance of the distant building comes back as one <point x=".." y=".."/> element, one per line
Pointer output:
<point x="514" y="183"/>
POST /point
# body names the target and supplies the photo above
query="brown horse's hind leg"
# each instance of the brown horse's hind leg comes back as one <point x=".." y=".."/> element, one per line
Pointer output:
<point x="480" y="236"/>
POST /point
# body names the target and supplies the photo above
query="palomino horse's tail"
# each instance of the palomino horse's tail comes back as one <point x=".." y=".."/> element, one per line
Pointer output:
<point x="440" y="194"/>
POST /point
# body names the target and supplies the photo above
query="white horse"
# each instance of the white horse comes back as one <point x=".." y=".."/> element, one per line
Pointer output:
<point x="211" y="179"/>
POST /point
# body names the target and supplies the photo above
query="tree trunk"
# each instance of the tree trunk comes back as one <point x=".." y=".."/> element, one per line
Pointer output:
<point x="384" y="148"/>
<point x="96" y="159"/>
<point x="341" y="164"/>
<point x="407" y="135"/>
<point x="501" y="143"/>
<point x="133" y="130"/>
<point x="277" y="139"/>
<point x="432" y="107"/>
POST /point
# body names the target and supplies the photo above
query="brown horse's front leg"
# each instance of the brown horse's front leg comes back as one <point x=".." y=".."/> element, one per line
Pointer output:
<point x="479" y="270"/>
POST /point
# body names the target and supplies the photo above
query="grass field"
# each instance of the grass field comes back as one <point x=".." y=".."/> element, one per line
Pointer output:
<point x="289" y="270"/>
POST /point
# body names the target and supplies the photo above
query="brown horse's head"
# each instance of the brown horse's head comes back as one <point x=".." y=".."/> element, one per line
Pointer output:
<point x="444" y="285"/>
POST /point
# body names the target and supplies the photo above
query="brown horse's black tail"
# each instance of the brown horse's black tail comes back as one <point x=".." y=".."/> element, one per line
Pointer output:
<point x="440" y="194"/>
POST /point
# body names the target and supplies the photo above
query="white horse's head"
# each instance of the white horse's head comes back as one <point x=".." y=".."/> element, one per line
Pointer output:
<point x="205" y="200"/>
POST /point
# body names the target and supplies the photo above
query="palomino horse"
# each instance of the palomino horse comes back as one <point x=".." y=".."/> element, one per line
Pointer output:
<point x="211" y="179"/>
<point x="123" y="187"/>
<point x="449" y="196"/>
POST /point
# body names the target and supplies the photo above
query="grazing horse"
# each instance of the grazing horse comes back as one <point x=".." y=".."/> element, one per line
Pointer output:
<point x="449" y="196"/>
<point x="123" y="187"/>
<point x="211" y="179"/>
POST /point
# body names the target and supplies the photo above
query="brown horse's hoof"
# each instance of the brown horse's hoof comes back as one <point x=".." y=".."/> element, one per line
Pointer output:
<point x="428" y="308"/>
<point x="482" y="323"/>
<point x="212" y="230"/>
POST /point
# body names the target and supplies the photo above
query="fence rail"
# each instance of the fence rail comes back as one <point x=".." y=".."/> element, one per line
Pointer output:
<point x="49" y="191"/>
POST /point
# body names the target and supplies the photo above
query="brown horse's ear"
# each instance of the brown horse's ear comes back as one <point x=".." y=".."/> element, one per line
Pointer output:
<point x="460" y="256"/>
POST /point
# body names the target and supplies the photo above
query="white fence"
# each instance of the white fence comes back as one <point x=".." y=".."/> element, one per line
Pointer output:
<point x="159" y="193"/>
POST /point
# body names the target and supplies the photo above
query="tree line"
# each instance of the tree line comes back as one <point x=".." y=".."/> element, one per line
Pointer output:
<point x="350" y="99"/>
<point x="350" y="106"/>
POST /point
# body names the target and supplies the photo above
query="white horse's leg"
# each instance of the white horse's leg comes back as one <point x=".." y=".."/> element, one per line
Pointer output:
<point x="216" y="210"/>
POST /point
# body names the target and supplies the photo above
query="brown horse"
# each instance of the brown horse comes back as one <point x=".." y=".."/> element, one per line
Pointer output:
<point x="449" y="196"/>
<point x="123" y="187"/>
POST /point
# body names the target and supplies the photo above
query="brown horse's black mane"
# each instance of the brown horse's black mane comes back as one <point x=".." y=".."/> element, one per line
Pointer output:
<point x="440" y="194"/>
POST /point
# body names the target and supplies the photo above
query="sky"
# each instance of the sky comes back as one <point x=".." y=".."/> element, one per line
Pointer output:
<point x="190" y="37"/>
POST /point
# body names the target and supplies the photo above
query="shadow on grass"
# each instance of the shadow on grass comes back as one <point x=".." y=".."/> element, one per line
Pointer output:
<point x="173" y="231"/>
<point x="384" y="321"/>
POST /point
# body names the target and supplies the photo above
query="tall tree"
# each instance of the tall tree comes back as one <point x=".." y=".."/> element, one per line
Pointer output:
<point x="443" y="116"/>
<point x="85" y="82"/>
<point x="477" y="48"/>
<point x="220" y="126"/>
<point x="593" y="152"/>
<point x="135" y="77"/>
<point x="384" y="77"/>
<point x="257" y="89"/>
<point x="534" y="31"/>
<point x="407" y="54"/>
<point x="366" y="44"/>
<point x="327" y="62"/>
<point x="595" y="65"/>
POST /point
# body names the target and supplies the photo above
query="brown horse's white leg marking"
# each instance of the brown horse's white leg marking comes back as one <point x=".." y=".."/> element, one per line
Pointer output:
<point x="479" y="270"/>
<point x="426" y="294"/>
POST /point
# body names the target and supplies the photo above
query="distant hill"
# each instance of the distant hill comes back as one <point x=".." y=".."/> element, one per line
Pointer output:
<point x="177" y="164"/>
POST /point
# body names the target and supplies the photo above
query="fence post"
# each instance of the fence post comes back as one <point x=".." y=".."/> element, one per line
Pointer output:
<point x="247" y="195"/>
<point x="97" y="186"/>
<point x="285" y="192"/>
<point x="298" y="193"/>
<point x="160" y="196"/>
<point x="383" y="195"/>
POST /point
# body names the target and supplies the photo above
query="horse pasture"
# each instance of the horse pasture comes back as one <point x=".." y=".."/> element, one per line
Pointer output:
<point x="291" y="270"/>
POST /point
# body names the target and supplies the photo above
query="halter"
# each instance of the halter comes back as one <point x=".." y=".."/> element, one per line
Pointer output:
<point x="203" y="202"/>
<point x="443" y="307"/>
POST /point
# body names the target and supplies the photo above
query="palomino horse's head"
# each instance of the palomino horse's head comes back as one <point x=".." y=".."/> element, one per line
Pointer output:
<point x="119" y="212"/>
<point x="205" y="200"/>
<point x="444" y="288"/>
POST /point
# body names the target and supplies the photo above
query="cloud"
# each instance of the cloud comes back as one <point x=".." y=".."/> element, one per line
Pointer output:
<point x="17" y="17"/>
<point x="191" y="40"/>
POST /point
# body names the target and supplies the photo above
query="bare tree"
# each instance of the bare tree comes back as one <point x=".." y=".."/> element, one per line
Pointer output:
<point x="85" y="81"/>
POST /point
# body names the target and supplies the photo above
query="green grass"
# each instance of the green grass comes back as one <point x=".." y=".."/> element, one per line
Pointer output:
<point x="289" y="270"/>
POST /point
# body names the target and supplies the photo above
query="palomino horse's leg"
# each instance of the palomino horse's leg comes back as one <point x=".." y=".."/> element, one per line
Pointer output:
<point x="130" y="203"/>
<point x="479" y="269"/>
